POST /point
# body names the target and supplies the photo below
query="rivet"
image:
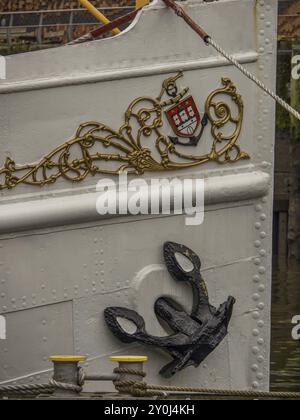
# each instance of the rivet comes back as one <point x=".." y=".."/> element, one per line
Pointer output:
<point x="261" y="324"/>
<point x="255" y="333"/>
<point x="255" y="385"/>
<point x="257" y="244"/>
<point x="4" y="308"/>
<point x="262" y="252"/>
<point x="262" y="270"/>
<point x="256" y="279"/>
<point x="268" y="24"/>
<point x="260" y="376"/>
<point x="256" y="297"/>
<point x="257" y="261"/>
<point x="263" y="217"/>
<point x="262" y="288"/>
<point x="255" y="350"/>
<point x="262" y="32"/>
<point x="260" y="359"/>
<point x="257" y="225"/>
<point x="261" y="306"/>
<point x="254" y="368"/>
<point x="261" y="50"/>
<point x="256" y="315"/>
<point x="262" y="16"/>
<point x="263" y="235"/>
<point x="3" y="295"/>
<point x="258" y="208"/>
<point x="260" y="341"/>
<point x="3" y="281"/>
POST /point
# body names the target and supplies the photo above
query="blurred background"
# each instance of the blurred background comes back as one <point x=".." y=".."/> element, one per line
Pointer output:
<point x="27" y="25"/>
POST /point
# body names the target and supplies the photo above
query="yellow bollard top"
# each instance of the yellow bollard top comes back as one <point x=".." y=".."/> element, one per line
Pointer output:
<point x="129" y="359"/>
<point x="68" y="359"/>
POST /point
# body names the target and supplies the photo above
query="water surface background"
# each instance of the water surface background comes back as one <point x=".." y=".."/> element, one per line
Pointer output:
<point x="285" y="357"/>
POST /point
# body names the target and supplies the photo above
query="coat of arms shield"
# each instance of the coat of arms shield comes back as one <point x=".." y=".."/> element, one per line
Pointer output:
<point x="184" y="118"/>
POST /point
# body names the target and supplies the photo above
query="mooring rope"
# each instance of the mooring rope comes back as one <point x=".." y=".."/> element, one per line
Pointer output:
<point x="142" y="389"/>
<point x="36" y="389"/>
<point x="210" y="41"/>
<point x="31" y="389"/>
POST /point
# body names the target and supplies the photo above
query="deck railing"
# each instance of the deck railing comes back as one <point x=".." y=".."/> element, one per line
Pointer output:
<point x="51" y="26"/>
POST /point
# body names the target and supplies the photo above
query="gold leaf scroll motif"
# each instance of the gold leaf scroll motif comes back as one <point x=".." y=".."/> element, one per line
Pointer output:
<point x="96" y="144"/>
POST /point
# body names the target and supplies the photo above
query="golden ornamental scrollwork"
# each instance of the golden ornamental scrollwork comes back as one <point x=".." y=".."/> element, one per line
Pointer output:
<point x="96" y="145"/>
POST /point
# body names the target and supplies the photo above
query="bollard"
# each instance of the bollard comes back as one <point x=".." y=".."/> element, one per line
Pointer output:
<point x="128" y="365"/>
<point x="66" y="377"/>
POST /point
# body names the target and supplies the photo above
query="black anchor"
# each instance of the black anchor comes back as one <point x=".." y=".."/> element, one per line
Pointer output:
<point x="196" y="335"/>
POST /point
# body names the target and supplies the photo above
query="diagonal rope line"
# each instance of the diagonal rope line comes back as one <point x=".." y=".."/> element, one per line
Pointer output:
<point x="209" y="41"/>
<point x="254" y="79"/>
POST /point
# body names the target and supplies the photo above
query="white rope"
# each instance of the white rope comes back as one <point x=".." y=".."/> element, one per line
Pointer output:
<point x="250" y="76"/>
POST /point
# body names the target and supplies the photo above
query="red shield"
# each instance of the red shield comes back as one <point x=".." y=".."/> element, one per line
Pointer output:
<point x="184" y="118"/>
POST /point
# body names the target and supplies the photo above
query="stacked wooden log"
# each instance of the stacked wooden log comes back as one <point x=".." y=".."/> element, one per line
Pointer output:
<point x="30" y="5"/>
<point x="56" y="29"/>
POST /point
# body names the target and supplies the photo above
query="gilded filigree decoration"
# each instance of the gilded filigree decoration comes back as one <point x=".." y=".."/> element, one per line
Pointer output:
<point x="99" y="149"/>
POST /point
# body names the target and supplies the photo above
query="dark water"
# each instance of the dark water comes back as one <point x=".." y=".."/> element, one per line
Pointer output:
<point x="285" y="358"/>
